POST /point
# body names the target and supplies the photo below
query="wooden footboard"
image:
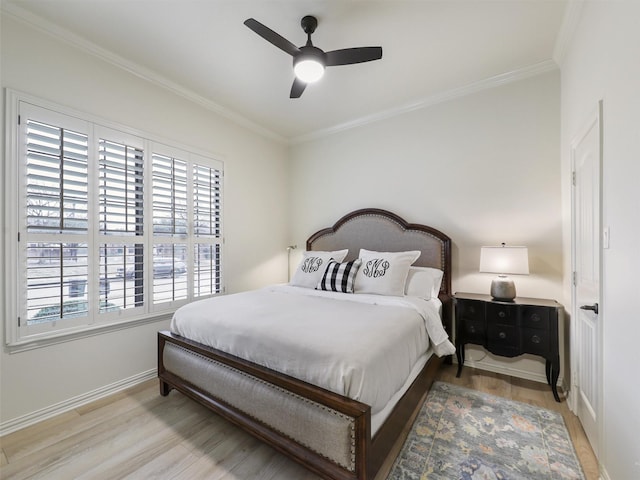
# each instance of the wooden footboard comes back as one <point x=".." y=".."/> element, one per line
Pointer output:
<point x="328" y="433"/>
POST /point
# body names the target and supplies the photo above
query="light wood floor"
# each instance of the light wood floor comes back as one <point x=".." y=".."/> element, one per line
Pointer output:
<point x="138" y="434"/>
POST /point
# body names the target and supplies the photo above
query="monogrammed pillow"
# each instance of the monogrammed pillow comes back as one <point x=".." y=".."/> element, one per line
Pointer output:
<point x="384" y="273"/>
<point x="312" y="267"/>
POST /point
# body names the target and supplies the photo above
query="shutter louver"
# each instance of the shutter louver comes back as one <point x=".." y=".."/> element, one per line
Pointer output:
<point x="206" y="199"/>
<point x="121" y="276"/>
<point x="57" y="179"/>
<point x="206" y="275"/>
<point x="121" y="189"/>
<point x="169" y="196"/>
<point x="169" y="272"/>
<point x="57" y="281"/>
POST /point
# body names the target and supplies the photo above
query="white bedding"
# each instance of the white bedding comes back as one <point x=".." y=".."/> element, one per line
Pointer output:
<point x="361" y="346"/>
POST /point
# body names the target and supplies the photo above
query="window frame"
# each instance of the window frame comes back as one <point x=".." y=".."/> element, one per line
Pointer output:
<point x="21" y="336"/>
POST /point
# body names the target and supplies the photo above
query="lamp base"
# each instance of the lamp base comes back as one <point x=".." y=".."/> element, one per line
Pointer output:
<point x="503" y="288"/>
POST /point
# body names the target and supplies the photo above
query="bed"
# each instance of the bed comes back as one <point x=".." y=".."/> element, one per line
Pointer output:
<point x="332" y="432"/>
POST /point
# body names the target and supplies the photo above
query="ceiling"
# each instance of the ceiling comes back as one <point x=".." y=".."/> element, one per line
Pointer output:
<point x="201" y="50"/>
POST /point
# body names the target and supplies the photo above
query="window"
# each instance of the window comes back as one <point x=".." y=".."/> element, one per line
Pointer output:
<point x="110" y="227"/>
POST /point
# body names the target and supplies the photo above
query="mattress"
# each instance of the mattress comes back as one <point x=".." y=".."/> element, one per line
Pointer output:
<point x="365" y="347"/>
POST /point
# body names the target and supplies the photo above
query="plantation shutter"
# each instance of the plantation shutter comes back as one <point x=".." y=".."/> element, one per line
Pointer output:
<point x="121" y="217"/>
<point x="56" y="179"/>
<point x="56" y="201"/>
<point x="104" y="227"/>
<point x="121" y="189"/>
<point x="207" y="226"/>
<point x="170" y="225"/>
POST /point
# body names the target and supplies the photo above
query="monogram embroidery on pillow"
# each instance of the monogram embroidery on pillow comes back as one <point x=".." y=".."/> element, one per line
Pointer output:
<point x="311" y="264"/>
<point x="376" y="268"/>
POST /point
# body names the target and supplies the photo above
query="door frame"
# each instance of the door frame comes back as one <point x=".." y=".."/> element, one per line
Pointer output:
<point x="595" y="118"/>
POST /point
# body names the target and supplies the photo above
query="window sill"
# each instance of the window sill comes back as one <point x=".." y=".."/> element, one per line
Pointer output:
<point x="68" y="336"/>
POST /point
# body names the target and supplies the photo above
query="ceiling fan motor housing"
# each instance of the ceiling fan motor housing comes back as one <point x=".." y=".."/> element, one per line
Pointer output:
<point x="309" y="24"/>
<point x="310" y="53"/>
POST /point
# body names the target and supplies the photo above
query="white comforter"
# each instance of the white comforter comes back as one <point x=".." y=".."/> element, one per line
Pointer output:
<point x="360" y="346"/>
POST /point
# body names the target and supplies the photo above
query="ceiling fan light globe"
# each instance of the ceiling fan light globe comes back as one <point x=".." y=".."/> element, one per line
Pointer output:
<point x="309" y="70"/>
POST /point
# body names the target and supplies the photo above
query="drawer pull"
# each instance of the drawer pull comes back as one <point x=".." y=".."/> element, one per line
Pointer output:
<point x="535" y="317"/>
<point x="472" y="329"/>
<point x="501" y="314"/>
<point x="535" y="339"/>
<point x="502" y="335"/>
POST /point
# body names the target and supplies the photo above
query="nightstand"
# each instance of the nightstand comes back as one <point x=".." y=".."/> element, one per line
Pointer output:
<point x="509" y="329"/>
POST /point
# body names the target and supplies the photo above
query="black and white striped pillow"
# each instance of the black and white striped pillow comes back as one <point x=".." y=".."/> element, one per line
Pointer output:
<point x="339" y="277"/>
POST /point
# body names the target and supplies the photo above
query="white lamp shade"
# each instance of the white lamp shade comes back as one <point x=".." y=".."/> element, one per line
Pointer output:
<point x="309" y="70"/>
<point x="505" y="260"/>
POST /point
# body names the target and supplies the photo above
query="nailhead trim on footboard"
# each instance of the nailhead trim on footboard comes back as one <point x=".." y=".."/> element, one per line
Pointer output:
<point x="323" y="430"/>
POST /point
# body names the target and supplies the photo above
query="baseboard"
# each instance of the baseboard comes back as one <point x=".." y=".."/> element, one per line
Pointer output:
<point x="43" y="414"/>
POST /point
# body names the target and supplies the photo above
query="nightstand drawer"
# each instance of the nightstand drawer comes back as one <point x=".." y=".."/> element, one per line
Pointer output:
<point x="470" y="309"/>
<point x="535" y="317"/>
<point x="474" y="330"/>
<point x="535" y="341"/>
<point x="503" y="335"/>
<point x="503" y="314"/>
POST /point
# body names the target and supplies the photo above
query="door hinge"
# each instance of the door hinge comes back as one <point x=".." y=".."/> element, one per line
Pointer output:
<point x="19" y="322"/>
<point x="574" y="378"/>
<point x="573" y="178"/>
<point x="574" y="278"/>
<point x="18" y="236"/>
<point x="19" y="120"/>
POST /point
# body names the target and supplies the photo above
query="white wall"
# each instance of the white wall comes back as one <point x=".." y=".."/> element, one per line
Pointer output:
<point x="255" y="215"/>
<point x="602" y="63"/>
<point x="484" y="168"/>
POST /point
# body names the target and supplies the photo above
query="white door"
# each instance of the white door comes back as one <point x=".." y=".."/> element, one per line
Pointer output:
<point x="587" y="309"/>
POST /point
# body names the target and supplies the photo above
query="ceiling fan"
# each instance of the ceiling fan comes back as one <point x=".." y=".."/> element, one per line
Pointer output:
<point x="309" y="62"/>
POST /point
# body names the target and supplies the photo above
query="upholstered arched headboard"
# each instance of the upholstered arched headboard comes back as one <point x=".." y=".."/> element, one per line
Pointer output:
<point x="383" y="231"/>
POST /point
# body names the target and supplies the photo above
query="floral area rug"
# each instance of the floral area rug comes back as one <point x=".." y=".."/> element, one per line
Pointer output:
<point x="466" y="434"/>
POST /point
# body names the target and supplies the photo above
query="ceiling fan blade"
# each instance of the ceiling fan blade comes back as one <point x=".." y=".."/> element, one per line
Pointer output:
<point x="272" y="37"/>
<point x="347" y="56"/>
<point x="297" y="88"/>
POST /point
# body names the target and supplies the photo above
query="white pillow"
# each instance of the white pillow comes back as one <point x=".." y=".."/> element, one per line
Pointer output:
<point x="313" y="265"/>
<point x="424" y="282"/>
<point x="384" y="273"/>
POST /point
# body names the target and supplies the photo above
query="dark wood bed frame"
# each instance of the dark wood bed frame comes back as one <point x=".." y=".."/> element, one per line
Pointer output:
<point x="368" y="453"/>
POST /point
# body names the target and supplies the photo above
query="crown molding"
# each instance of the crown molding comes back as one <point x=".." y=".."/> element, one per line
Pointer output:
<point x="43" y="25"/>
<point x="570" y="20"/>
<point x="491" y="82"/>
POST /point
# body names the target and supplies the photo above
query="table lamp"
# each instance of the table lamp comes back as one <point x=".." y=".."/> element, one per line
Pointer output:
<point x="504" y="260"/>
